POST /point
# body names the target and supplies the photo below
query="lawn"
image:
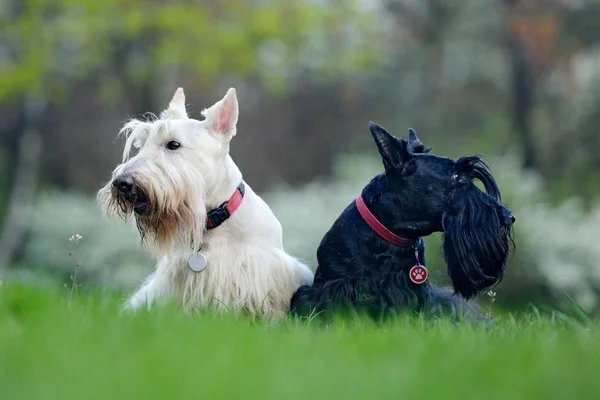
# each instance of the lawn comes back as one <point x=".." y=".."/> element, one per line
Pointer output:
<point x="49" y="350"/>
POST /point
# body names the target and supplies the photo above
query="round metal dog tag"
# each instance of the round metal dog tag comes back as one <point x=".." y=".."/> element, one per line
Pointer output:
<point x="197" y="262"/>
<point x="418" y="274"/>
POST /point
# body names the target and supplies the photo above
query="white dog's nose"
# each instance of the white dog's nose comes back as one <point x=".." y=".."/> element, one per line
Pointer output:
<point x="123" y="183"/>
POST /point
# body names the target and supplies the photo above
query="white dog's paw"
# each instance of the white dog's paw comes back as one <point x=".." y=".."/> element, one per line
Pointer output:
<point x="127" y="308"/>
<point x="133" y="305"/>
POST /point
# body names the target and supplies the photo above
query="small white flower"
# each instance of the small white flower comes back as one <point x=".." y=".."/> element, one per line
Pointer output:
<point x="75" y="238"/>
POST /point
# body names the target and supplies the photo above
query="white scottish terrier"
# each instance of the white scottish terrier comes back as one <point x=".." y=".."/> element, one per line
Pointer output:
<point x="218" y="244"/>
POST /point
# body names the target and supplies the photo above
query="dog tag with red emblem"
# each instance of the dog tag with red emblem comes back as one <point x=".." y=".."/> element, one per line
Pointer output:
<point x="418" y="274"/>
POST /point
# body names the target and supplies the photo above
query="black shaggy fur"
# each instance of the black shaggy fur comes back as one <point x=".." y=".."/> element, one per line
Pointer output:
<point x="419" y="193"/>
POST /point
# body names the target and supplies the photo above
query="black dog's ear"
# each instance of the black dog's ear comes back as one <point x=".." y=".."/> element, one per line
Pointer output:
<point x="394" y="151"/>
<point x="414" y="144"/>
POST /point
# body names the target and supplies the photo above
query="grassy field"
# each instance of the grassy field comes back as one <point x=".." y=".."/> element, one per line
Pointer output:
<point x="87" y="351"/>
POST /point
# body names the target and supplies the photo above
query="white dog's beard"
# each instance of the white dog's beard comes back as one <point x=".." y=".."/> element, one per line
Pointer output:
<point x="173" y="223"/>
<point x="176" y="230"/>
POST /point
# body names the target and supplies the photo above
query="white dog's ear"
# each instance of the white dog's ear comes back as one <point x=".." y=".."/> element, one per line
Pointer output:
<point x="222" y="117"/>
<point x="176" y="109"/>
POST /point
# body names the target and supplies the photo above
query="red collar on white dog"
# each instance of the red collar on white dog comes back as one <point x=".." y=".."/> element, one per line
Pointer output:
<point x="377" y="226"/>
<point x="220" y="214"/>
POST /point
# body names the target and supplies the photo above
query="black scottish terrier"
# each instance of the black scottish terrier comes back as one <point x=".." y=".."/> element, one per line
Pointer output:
<point x="372" y="260"/>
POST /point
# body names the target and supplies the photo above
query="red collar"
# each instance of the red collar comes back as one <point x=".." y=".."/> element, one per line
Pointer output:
<point x="220" y="214"/>
<point x="377" y="226"/>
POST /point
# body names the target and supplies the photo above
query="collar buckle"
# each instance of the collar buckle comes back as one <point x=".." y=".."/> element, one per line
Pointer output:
<point x="217" y="216"/>
<point x="220" y="214"/>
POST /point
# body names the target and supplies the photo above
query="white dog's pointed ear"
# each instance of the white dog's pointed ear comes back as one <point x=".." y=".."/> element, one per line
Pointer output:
<point x="222" y="117"/>
<point x="176" y="108"/>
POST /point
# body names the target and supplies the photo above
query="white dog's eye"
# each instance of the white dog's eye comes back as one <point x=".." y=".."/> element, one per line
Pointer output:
<point x="173" y="145"/>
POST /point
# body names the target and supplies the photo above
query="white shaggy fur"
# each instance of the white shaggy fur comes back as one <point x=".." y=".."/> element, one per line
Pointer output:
<point x="248" y="269"/>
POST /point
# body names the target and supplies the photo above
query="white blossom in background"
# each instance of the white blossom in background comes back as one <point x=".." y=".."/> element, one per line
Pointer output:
<point x="112" y="254"/>
<point x="75" y="238"/>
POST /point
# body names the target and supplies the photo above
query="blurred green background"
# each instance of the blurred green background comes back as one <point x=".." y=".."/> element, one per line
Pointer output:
<point x="517" y="81"/>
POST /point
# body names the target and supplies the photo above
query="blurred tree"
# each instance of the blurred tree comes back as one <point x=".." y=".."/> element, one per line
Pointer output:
<point x="532" y="37"/>
<point x="24" y="183"/>
<point x="547" y="41"/>
<point x="55" y="42"/>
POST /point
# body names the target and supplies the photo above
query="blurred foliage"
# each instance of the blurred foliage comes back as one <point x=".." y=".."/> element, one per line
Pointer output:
<point x="47" y="44"/>
<point x="109" y="252"/>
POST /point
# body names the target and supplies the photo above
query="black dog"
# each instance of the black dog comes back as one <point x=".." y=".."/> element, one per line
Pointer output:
<point x="372" y="259"/>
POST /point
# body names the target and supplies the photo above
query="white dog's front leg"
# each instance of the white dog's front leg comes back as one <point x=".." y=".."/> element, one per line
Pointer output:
<point x="156" y="286"/>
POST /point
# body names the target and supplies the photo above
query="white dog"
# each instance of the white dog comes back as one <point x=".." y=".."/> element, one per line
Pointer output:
<point x="175" y="183"/>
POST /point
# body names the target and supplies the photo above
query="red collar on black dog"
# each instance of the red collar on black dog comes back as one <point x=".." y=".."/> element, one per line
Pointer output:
<point x="220" y="214"/>
<point x="377" y="226"/>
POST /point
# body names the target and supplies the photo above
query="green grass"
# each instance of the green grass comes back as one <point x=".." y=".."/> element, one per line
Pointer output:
<point x="88" y="351"/>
